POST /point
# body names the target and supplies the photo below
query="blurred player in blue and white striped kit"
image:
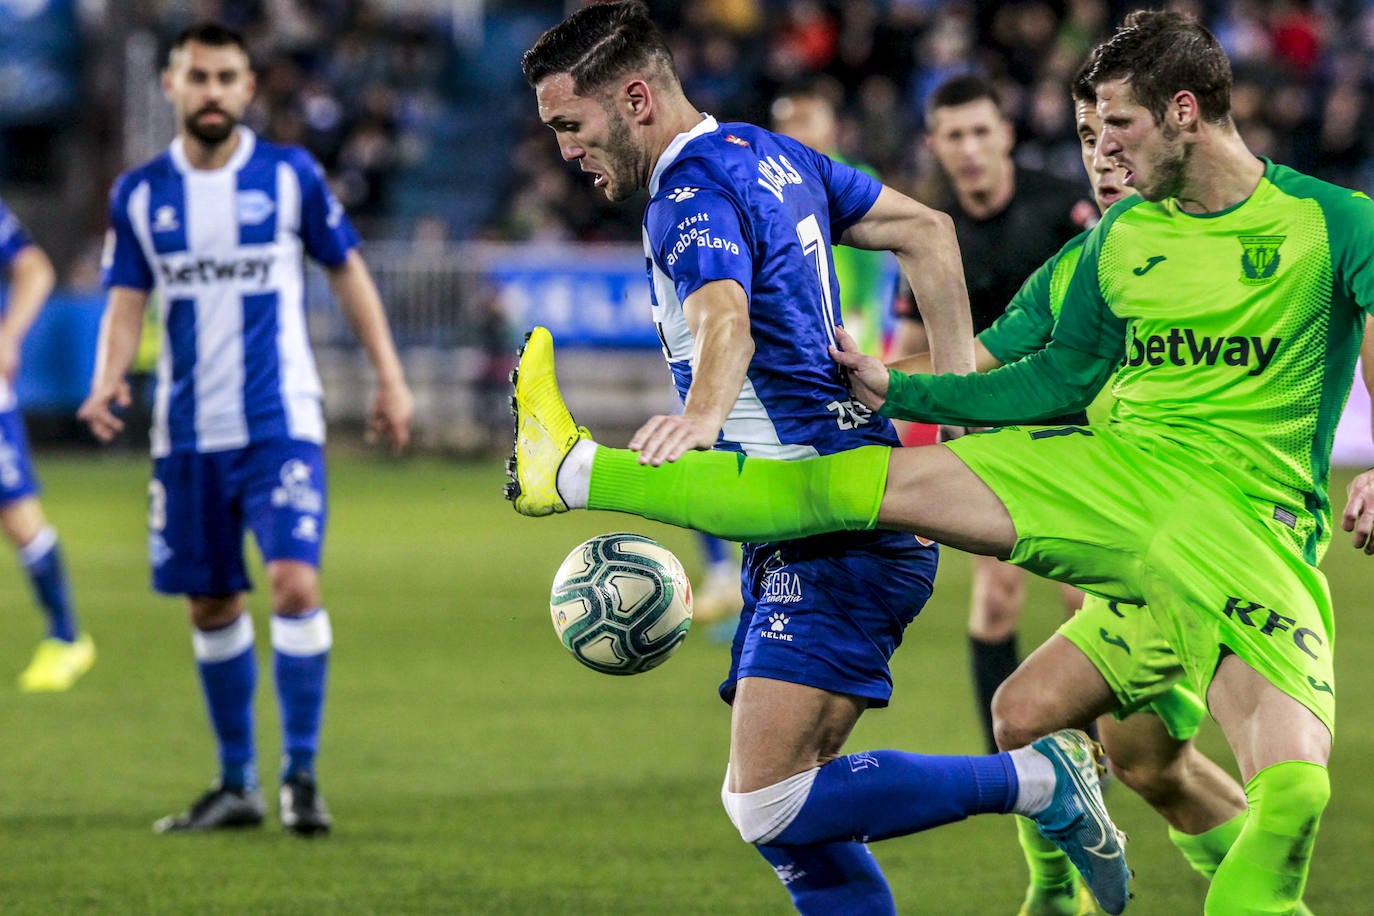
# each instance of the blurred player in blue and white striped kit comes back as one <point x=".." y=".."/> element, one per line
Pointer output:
<point x="65" y="653"/>
<point x="217" y="225"/>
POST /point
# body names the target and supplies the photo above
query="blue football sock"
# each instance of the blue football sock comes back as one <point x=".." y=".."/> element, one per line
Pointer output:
<point x="300" y="653"/>
<point x="832" y="878"/>
<point x="228" y="676"/>
<point x="42" y="559"/>
<point x="879" y="794"/>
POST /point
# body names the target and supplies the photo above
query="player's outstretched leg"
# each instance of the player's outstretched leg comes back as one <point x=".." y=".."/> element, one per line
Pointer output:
<point x="545" y="431"/>
<point x="1076" y="819"/>
<point x="557" y="466"/>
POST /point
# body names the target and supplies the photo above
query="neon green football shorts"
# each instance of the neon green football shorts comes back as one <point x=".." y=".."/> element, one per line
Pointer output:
<point x="1147" y="521"/>
<point x="1137" y="662"/>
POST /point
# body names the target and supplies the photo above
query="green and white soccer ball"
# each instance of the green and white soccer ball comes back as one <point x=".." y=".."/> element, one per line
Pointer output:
<point x="621" y="603"/>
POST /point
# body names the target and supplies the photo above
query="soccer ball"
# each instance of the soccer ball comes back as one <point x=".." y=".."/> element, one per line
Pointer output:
<point x="621" y="603"/>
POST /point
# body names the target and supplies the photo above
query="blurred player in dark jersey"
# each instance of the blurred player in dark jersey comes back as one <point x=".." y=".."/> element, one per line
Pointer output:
<point x="1009" y="221"/>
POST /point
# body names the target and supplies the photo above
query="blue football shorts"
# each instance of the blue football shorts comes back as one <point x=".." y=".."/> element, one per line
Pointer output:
<point x="16" y="471"/>
<point x="829" y="611"/>
<point x="200" y="504"/>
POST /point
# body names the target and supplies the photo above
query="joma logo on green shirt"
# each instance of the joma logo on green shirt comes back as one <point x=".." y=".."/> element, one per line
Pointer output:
<point x="1184" y="347"/>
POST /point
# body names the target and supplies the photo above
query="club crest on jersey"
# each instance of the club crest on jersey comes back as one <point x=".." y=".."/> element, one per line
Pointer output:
<point x="297" y="491"/>
<point x="165" y="219"/>
<point x="254" y="207"/>
<point x="1259" y="258"/>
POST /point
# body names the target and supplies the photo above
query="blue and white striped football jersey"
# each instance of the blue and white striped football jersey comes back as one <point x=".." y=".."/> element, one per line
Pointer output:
<point x="223" y="249"/>
<point x="14" y="238"/>
<point x="737" y="202"/>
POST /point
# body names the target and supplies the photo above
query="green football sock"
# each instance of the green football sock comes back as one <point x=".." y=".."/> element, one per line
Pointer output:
<point x="1204" y="851"/>
<point x="1266" y="869"/>
<point x="745" y="499"/>
<point x="1048" y="865"/>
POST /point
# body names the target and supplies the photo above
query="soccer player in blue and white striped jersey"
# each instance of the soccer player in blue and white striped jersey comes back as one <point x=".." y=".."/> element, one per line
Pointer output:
<point x="65" y="653"/>
<point x="217" y="225"/>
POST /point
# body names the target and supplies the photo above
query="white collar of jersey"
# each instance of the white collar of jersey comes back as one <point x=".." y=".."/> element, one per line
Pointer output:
<point x="707" y="125"/>
<point x="247" y="140"/>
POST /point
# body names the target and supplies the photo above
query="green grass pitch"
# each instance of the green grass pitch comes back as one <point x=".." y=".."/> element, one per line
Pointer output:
<point x="472" y="765"/>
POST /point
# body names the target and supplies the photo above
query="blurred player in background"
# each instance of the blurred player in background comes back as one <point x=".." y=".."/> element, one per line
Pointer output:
<point x="1008" y="220"/>
<point x="738" y="233"/>
<point x="809" y="113"/>
<point x="217" y="226"/>
<point x="65" y="653"/>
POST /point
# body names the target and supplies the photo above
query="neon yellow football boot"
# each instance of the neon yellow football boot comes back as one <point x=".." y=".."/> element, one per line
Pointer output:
<point x="57" y="664"/>
<point x="544" y="430"/>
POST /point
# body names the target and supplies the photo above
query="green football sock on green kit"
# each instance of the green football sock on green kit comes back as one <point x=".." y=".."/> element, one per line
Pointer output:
<point x="1204" y="851"/>
<point x="745" y="499"/>
<point x="1266" y="869"/>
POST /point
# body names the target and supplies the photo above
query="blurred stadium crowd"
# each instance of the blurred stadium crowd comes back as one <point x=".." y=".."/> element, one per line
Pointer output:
<point x="1303" y="72"/>
<point x="417" y="111"/>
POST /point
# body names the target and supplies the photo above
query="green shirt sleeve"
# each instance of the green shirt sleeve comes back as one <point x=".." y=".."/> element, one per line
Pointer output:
<point x="1352" y="250"/>
<point x="1049" y="383"/>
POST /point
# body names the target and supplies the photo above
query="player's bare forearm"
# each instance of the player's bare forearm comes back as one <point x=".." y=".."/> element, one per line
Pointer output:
<point x="120" y="329"/>
<point x="718" y="316"/>
<point x="928" y="252"/>
<point x="32" y="279"/>
<point x="361" y="305"/>
<point x="393" y="407"/>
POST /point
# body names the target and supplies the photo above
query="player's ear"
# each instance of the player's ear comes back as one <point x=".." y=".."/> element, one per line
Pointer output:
<point x="636" y="100"/>
<point x="1183" y="110"/>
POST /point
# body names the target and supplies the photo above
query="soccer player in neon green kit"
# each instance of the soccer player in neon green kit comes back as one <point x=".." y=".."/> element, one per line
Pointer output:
<point x="1236" y="291"/>
<point x="1121" y="666"/>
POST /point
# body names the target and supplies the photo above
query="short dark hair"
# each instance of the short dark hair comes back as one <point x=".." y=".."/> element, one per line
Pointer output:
<point x="598" y="43"/>
<point x="211" y="34"/>
<point x="1082" y="88"/>
<point x="961" y="90"/>
<point x="1161" y="53"/>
